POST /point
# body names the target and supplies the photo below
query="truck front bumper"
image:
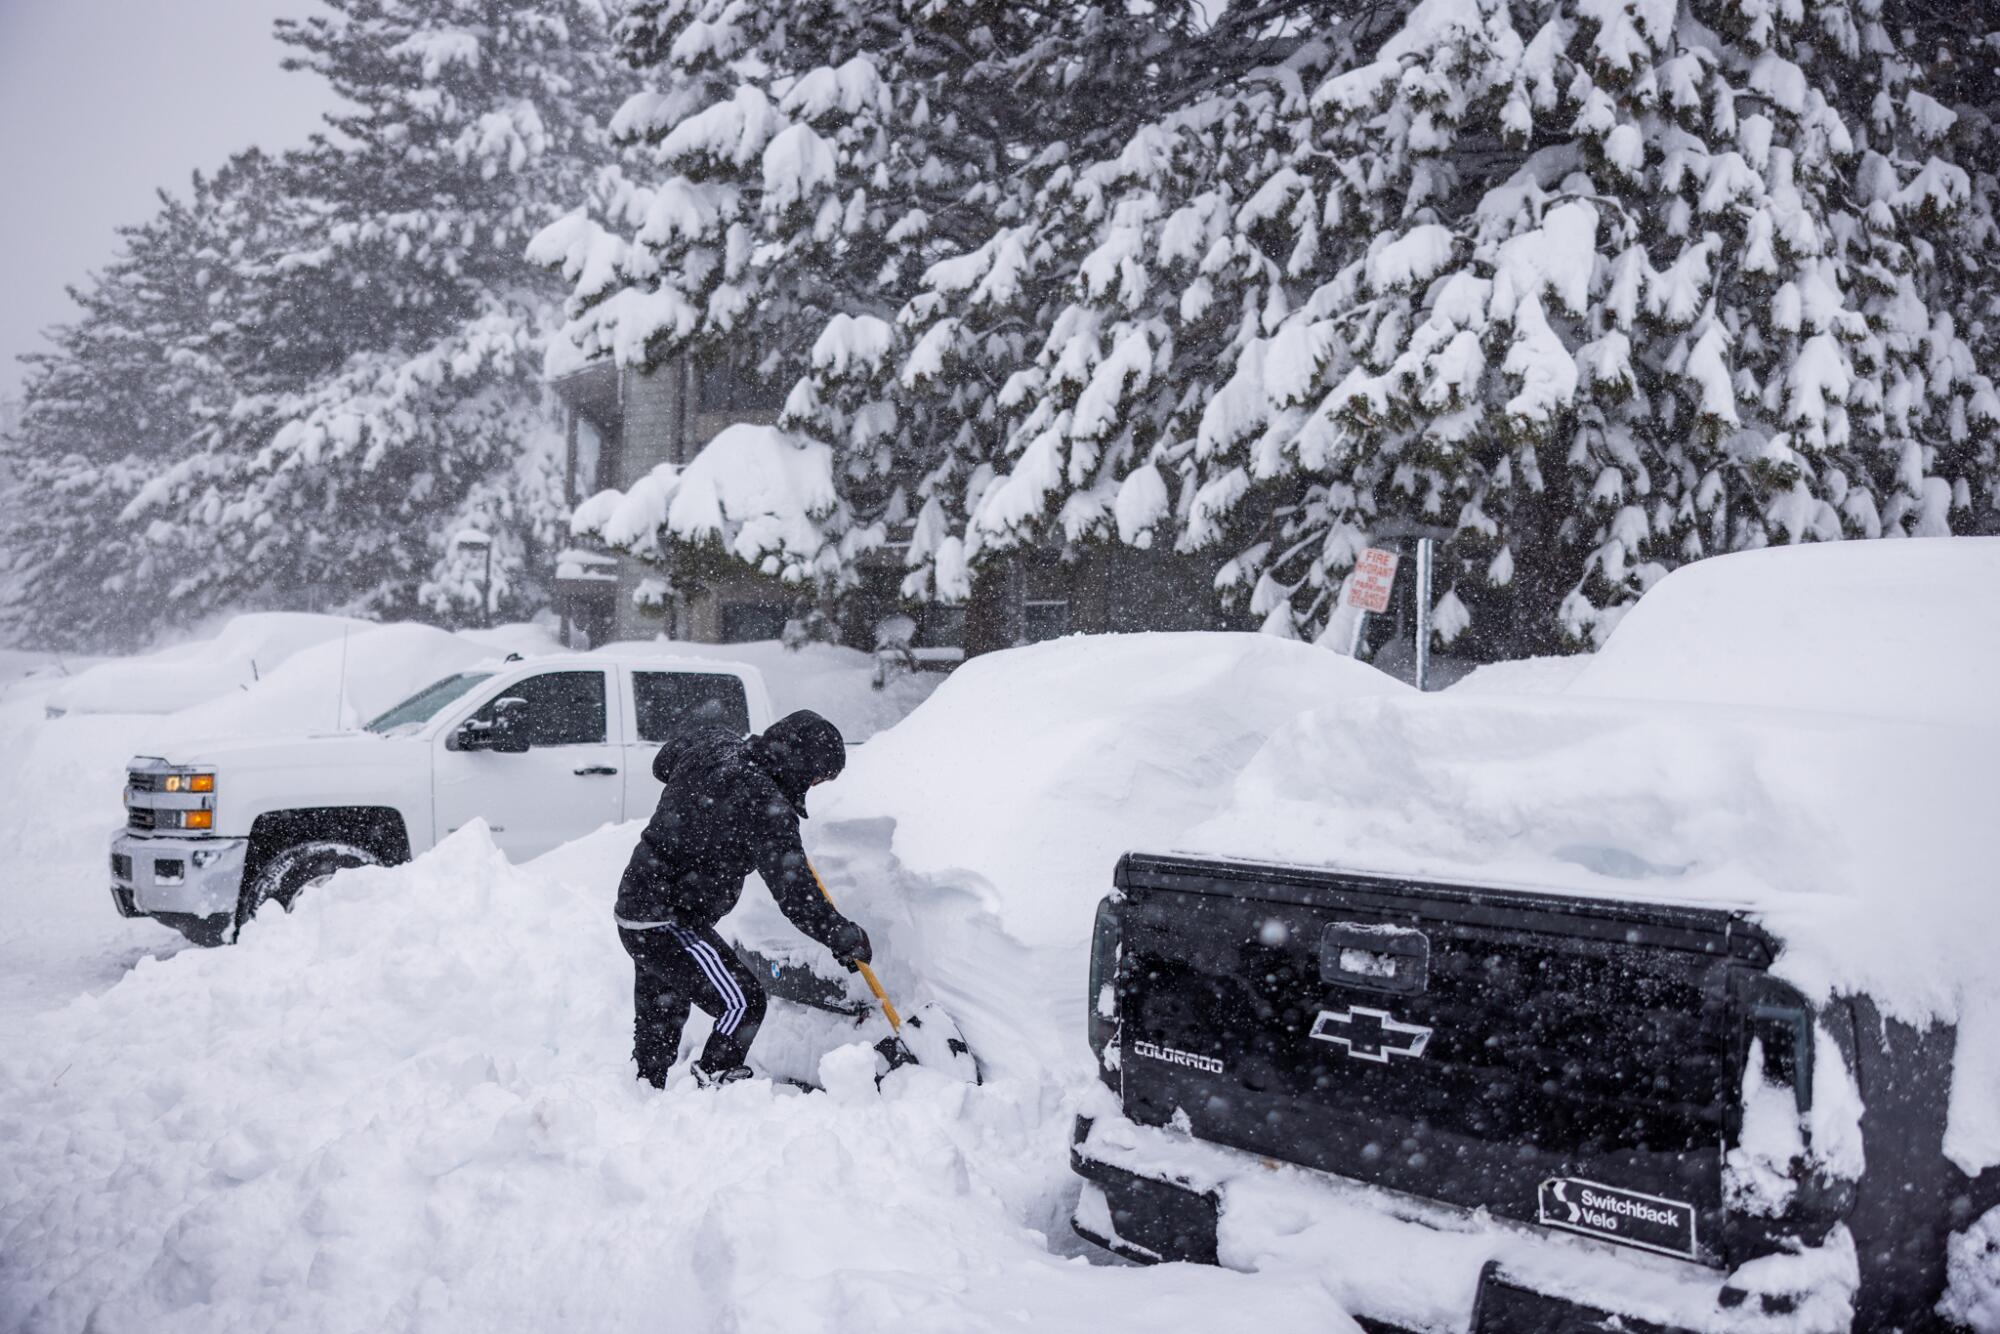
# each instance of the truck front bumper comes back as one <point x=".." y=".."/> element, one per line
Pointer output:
<point x="176" y="877"/>
<point x="1403" y="1264"/>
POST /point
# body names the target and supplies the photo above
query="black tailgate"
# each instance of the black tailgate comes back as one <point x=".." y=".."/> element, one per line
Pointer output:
<point x="1466" y="1045"/>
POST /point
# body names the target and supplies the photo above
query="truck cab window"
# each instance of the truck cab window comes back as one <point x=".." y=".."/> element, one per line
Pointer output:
<point x="669" y="702"/>
<point x="564" y="708"/>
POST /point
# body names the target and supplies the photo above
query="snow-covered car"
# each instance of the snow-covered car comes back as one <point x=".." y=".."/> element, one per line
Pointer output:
<point x="543" y="751"/>
<point x="239" y="653"/>
<point x="1665" y="1001"/>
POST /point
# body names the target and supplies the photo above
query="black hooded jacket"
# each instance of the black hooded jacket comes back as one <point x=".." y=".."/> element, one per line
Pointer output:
<point x="732" y="805"/>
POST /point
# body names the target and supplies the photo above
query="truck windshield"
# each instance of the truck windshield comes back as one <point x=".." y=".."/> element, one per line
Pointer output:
<point x="421" y="707"/>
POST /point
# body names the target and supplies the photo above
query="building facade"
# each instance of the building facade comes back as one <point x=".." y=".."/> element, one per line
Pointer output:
<point x="622" y="422"/>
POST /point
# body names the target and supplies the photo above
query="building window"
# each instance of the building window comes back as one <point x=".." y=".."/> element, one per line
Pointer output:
<point x="589" y="455"/>
<point x="940" y="626"/>
<point x="729" y="384"/>
<point x="748" y="622"/>
<point x="1047" y="619"/>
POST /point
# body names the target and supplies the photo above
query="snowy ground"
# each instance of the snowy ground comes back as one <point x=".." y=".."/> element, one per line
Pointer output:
<point x="409" y="1103"/>
<point x="260" y="674"/>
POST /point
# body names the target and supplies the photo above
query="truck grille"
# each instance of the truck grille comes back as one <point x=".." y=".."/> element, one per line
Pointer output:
<point x="140" y="780"/>
<point x="121" y="866"/>
<point x="142" y="817"/>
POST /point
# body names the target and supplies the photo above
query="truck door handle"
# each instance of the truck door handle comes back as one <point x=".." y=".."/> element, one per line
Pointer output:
<point x="595" y="770"/>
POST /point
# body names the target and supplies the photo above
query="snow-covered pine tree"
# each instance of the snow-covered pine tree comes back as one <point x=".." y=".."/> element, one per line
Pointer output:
<point x="815" y="162"/>
<point x="1066" y="361"/>
<point x="389" y="350"/>
<point x="112" y="405"/>
<point x="1956" y="46"/>
<point x="1599" y="287"/>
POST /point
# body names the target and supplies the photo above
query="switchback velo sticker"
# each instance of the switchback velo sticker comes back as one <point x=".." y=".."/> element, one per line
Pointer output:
<point x="1624" y="1216"/>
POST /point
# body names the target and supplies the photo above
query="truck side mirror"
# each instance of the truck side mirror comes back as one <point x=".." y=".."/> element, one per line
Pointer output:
<point x="506" y="732"/>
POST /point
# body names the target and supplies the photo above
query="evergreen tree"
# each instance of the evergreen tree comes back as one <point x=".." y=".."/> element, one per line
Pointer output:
<point x="817" y="162"/>
<point x="1597" y="288"/>
<point x="110" y="407"/>
<point x="387" y="349"/>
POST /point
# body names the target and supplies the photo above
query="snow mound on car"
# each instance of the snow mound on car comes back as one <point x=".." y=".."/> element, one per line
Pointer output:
<point x="1829" y="772"/>
<point x="337" y="685"/>
<point x="977" y="836"/>
<point x="1890" y="629"/>
<point x="235" y="657"/>
<point x="1041" y="765"/>
<point x="409" y="1105"/>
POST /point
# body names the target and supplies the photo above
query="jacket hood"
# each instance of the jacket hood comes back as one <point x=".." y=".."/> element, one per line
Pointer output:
<point x="798" y="750"/>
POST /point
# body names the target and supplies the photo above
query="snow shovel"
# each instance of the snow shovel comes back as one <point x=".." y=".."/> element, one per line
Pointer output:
<point x="927" y="1037"/>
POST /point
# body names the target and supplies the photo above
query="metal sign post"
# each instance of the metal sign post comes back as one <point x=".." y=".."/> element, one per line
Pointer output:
<point x="1423" y="611"/>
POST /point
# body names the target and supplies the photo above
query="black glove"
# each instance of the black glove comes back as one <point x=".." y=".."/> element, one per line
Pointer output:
<point x="850" y="946"/>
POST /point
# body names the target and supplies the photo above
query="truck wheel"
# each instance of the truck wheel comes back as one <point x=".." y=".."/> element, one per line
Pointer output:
<point x="288" y="871"/>
<point x="207" y="932"/>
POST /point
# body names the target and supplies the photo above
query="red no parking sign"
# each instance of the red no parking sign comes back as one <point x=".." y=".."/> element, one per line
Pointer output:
<point x="1374" y="574"/>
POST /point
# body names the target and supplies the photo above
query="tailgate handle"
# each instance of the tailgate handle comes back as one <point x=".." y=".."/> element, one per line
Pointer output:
<point x="1375" y="957"/>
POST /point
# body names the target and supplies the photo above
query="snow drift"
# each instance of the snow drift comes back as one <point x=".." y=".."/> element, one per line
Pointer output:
<point x="238" y="655"/>
<point x="984" y="829"/>
<point x="1804" y="733"/>
<point x="409" y="1103"/>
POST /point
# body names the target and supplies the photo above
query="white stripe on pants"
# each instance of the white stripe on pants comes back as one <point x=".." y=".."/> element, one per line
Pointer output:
<point x="718" y="976"/>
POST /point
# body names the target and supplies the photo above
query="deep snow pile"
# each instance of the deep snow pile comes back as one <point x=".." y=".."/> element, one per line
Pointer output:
<point x="1856" y="822"/>
<point x="984" y="829"/>
<point x="409" y="1103"/>
<point x="337" y="685"/>
<point x="239" y="654"/>
<point x="270" y="672"/>
<point x="257" y="674"/>
<point x="1903" y="630"/>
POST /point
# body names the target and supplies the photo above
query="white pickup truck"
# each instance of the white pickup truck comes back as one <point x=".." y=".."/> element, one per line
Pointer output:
<point x="543" y="750"/>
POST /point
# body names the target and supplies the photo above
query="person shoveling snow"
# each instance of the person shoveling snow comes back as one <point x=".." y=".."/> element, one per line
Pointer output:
<point x="732" y="804"/>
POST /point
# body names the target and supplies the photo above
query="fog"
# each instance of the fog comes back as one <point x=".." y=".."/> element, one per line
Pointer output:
<point x="102" y="102"/>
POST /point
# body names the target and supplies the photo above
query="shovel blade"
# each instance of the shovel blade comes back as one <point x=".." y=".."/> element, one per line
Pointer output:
<point x="935" y="1042"/>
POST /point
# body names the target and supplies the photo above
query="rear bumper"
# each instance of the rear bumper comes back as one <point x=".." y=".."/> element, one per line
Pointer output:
<point x="1400" y="1263"/>
<point x="176" y="877"/>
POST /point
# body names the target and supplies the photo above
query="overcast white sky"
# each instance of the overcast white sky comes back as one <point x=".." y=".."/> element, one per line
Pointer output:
<point x="104" y="101"/>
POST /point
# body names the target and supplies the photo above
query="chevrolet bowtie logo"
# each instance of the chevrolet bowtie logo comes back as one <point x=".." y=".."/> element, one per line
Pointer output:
<point x="1370" y="1035"/>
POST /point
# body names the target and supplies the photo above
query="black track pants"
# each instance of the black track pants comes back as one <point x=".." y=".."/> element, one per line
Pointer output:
<point x="674" y="967"/>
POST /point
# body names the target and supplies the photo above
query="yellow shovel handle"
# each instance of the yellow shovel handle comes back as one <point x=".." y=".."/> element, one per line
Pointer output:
<point x="867" y="973"/>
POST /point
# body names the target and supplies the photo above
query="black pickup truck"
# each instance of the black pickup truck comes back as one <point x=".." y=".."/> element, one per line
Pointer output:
<point x="1479" y="1108"/>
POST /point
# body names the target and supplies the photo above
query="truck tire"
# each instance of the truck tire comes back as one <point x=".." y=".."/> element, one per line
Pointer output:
<point x="284" y="874"/>
<point x="207" y="932"/>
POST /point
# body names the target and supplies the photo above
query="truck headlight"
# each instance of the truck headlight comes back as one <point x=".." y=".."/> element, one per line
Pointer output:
<point x="188" y="783"/>
<point x="197" y="819"/>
